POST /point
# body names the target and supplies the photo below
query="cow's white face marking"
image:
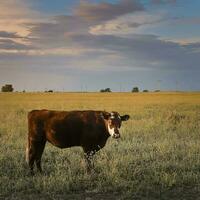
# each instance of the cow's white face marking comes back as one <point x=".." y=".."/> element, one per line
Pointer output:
<point x="111" y="130"/>
<point x="112" y="115"/>
<point x="114" y="132"/>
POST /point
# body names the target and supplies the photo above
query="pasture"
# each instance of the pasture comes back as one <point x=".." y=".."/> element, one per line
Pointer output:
<point x="157" y="157"/>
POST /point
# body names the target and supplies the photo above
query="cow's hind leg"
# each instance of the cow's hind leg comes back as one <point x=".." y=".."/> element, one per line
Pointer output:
<point x="38" y="156"/>
<point x="34" y="154"/>
<point x="31" y="154"/>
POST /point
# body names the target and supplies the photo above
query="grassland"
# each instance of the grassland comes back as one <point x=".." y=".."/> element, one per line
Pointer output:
<point x="158" y="156"/>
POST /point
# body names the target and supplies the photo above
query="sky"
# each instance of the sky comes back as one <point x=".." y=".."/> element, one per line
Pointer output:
<point x="85" y="45"/>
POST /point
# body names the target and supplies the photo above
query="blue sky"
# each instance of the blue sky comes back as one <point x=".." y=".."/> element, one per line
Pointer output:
<point x="89" y="45"/>
<point x="53" y="7"/>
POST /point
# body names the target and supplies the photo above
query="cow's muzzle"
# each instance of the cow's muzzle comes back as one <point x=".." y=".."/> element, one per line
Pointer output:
<point x="116" y="136"/>
<point x="114" y="132"/>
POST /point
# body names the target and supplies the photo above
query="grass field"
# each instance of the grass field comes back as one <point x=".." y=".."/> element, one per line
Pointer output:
<point x="157" y="157"/>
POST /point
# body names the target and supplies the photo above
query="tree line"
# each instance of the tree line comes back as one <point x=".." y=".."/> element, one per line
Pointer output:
<point x="134" y="90"/>
<point x="9" y="88"/>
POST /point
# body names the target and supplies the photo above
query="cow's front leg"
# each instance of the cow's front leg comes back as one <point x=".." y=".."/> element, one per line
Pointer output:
<point x="88" y="155"/>
<point x="89" y="161"/>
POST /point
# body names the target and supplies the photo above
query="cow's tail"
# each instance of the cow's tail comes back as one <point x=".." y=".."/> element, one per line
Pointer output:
<point x="27" y="152"/>
<point x="28" y="142"/>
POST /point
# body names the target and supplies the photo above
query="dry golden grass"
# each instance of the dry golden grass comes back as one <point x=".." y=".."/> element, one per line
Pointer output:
<point x="158" y="156"/>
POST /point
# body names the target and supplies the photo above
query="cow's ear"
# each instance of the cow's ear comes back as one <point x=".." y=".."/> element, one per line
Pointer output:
<point x="125" y="117"/>
<point x="105" y="115"/>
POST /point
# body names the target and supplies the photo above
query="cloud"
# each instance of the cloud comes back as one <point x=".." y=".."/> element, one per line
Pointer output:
<point x="14" y="14"/>
<point x="59" y="28"/>
<point x="106" y="11"/>
<point x="95" y="44"/>
<point x="109" y="41"/>
<point x="137" y="52"/>
<point x="8" y="44"/>
<point x="5" y="34"/>
<point x="127" y="24"/>
<point x="60" y="33"/>
<point x="62" y="29"/>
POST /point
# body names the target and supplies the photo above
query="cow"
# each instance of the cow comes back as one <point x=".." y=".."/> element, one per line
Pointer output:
<point x="88" y="129"/>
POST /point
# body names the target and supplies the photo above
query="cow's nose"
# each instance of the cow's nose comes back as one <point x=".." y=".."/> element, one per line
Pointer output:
<point x="116" y="133"/>
<point x="116" y="136"/>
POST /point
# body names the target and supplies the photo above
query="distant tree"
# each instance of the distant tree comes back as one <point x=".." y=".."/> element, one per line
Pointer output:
<point x="7" y="88"/>
<point x="145" y="90"/>
<point x="106" y="90"/>
<point x="135" y="89"/>
<point x="46" y="91"/>
<point x="157" y="91"/>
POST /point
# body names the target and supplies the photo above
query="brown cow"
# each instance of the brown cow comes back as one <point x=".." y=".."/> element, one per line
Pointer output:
<point x="88" y="129"/>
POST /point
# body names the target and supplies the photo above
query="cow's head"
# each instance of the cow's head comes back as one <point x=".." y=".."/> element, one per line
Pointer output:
<point x="113" y="123"/>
